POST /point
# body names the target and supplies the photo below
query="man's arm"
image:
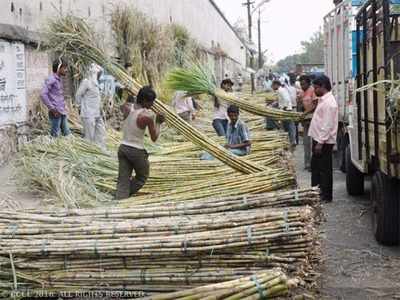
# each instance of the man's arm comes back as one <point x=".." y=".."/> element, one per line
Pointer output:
<point x="80" y="93"/>
<point x="45" y="94"/>
<point x="125" y="109"/>
<point x="153" y="125"/>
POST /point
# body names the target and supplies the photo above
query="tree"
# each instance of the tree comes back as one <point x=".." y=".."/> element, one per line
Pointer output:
<point x="312" y="53"/>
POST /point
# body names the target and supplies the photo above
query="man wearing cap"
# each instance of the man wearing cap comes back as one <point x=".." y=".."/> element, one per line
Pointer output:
<point x="53" y="97"/>
<point x="89" y="100"/>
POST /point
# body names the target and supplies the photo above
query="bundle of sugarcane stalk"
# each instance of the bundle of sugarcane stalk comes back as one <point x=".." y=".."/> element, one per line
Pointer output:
<point x="264" y="285"/>
<point x="277" y="199"/>
<point x="88" y="252"/>
<point x="73" y="37"/>
<point x="197" y="79"/>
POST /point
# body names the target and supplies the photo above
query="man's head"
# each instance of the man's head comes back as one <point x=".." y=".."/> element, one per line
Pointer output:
<point x="305" y="82"/>
<point x="233" y="113"/>
<point x="322" y="85"/>
<point x="146" y="97"/>
<point x="292" y="78"/>
<point x="60" y="67"/>
<point x="276" y="84"/>
<point x="227" y="85"/>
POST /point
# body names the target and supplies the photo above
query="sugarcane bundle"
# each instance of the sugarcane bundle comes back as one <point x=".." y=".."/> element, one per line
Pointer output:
<point x="197" y="79"/>
<point x="263" y="285"/>
<point x="277" y="199"/>
<point x="73" y="37"/>
<point x="166" y="253"/>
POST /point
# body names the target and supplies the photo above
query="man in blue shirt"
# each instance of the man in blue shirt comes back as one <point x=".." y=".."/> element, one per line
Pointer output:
<point x="237" y="135"/>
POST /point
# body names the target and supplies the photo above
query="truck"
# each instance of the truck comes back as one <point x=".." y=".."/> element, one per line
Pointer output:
<point x="340" y="65"/>
<point x="362" y="55"/>
<point x="374" y="147"/>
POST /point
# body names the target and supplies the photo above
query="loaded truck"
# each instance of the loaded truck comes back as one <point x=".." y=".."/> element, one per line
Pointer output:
<point x="369" y="104"/>
<point x="338" y="31"/>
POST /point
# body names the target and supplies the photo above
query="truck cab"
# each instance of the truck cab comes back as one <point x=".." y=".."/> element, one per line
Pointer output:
<point x="373" y="147"/>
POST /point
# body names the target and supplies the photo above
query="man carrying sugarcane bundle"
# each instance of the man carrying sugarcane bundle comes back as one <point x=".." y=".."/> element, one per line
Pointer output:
<point x="89" y="101"/>
<point x="131" y="153"/>
<point x="183" y="106"/>
<point x="220" y="120"/>
<point x="285" y="103"/>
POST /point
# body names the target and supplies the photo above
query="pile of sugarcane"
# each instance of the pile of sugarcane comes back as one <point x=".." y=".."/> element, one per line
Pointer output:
<point x="82" y="175"/>
<point x="263" y="285"/>
<point x="131" y="249"/>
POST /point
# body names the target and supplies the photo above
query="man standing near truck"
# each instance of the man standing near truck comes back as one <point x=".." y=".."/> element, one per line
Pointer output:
<point x="306" y="104"/>
<point x="323" y="131"/>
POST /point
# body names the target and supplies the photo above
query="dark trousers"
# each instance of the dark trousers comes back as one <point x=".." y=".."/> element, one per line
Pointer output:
<point x="321" y="170"/>
<point x="129" y="159"/>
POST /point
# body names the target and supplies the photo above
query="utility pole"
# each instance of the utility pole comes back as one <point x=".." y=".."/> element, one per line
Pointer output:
<point x="248" y="4"/>
<point x="260" y="53"/>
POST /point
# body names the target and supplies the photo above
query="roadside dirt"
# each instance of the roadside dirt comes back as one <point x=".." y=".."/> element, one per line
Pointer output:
<point x="354" y="265"/>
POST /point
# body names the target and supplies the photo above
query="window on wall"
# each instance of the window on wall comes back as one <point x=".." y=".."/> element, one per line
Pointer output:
<point x="88" y="11"/>
<point x="20" y="11"/>
<point x="12" y="7"/>
<point x="41" y="6"/>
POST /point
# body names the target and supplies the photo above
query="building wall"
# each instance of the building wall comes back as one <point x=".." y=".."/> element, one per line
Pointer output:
<point x="199" y="16"/>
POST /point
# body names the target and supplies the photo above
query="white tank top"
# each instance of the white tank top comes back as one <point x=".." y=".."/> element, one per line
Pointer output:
<point x="132" y="135"/>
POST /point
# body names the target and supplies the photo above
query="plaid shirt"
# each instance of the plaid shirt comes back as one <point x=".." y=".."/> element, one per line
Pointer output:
<point x="238" y="134"/>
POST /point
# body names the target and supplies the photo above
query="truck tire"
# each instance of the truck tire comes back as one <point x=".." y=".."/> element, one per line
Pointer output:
<point x="354" y="178"/>
<point x="385" y="209"/>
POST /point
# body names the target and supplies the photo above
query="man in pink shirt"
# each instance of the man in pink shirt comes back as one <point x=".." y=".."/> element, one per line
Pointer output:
<point x="323" y="131"/>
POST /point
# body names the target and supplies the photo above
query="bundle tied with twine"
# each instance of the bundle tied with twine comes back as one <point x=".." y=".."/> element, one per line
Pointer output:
<point x="198" y="79"/>
<point x="73" y="37"/>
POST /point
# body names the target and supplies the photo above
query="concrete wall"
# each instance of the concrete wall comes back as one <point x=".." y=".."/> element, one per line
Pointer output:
<point x="199" y="16"/>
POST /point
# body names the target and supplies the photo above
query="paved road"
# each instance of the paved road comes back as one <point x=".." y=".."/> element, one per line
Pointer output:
<point x="354" y="265"/>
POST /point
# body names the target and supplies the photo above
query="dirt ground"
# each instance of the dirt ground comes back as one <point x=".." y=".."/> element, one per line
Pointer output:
<point x="354" y="265"/>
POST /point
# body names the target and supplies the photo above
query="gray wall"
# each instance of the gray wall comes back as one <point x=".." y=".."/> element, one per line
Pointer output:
<point x="199" y="16"/>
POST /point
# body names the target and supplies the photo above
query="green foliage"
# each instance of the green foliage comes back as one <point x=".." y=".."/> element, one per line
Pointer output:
<point x="313" y="53"/>
<point x="194" y="78"/>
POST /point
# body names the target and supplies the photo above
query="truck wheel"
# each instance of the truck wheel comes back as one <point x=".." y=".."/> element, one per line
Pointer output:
<point x="354" y="178"/>
<point x="385" y="205"/>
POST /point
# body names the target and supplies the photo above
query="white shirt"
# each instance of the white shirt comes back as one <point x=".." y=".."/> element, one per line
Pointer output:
<point x="293" y="94"/>
<point x="88" y="98"/>
<point x="220" y="113"/>
<point x="284" y="100"/>
<point x="181" y="103"/>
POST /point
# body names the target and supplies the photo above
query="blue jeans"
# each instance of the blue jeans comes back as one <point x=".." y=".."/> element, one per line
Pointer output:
<point x="290" y="128"/>
<point x="220" y="126"/>
<point x="59" y="124"/>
